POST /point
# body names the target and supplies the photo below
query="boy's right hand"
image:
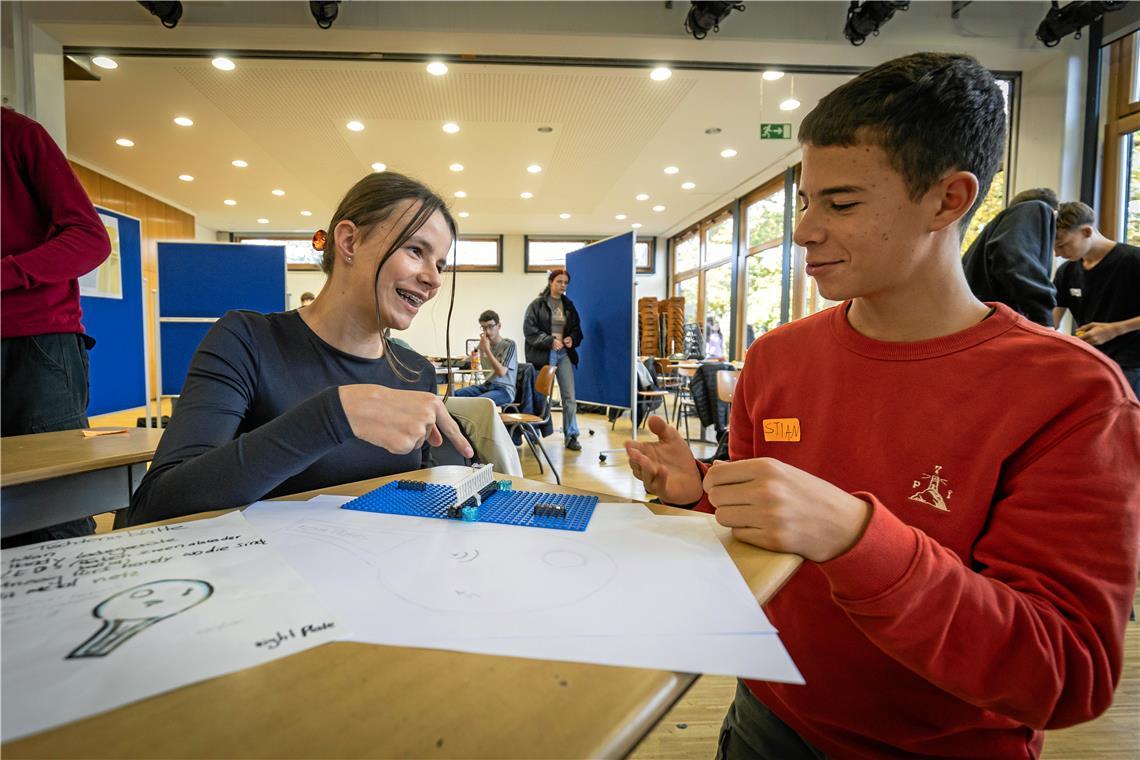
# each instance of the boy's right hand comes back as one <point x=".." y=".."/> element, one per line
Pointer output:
<point x="667" y="467"/>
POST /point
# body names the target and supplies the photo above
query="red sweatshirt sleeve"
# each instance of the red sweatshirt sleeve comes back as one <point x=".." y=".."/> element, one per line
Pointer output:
<point x="77" y="241"/>
<point x="1033" y="630"/>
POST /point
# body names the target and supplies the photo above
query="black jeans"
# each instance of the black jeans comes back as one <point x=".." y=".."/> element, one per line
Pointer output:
<point x="752" y="732"/>
<point x="45" y="388"/>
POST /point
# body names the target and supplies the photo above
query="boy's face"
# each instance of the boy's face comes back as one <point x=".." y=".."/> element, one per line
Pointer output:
<point x="863" y="234"/>
<point x="1073" y="244"/>
<point x="490" y="329"/>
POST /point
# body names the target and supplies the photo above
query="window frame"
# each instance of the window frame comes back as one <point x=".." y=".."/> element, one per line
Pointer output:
<point x="497" y="267"/>
<point x="586" y="240"/>
<point x="700" y="229"/>
<point x="765" y="190"/>
<point x="1122" y="119"/>
<point x="238" y="237"/>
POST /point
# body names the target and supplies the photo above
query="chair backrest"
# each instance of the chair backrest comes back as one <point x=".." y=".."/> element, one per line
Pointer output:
<point x="726" y="384"/>
<point x="544" y="383"/>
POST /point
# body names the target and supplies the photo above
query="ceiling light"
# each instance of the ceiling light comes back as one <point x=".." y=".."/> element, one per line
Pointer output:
<point x="125" y="142"/>
<point x="659" y="208"/>
<point x="546" y="130"/>
<point x="460" y="194"/>
<point x="437" y="68"/>
<point x="223" y="64"/>
<point x="355" y="126"/>
<point x="278" y="192"/>
<point x="619" y="217"/>
<point x="790" y="104"/>
<point x="451" y="127"/>
<point x="230" y="202"/>
<point x="641" y="197"/>
<point x="263" y="221"/>
<point x="186" y="177"/>
<point x="563" y="216"/>
<point x="727" y="153"/>
<point x="534" y="168"/>
<point x="864" y="19"/>
<point x="456" y="167"/>
<point x="463" y="214"/>
<point x="183" y="121"/>
<point x="379" y="167"/>
<point x="772" y="75"/>
<point x="104" y="62"/>
<point x="168" y="12"/>
<point x="671" y="170"/>
<point x="306" y="213"/>
<point x="324" y="12"/>
<point x="239" y="163"/>
<point x="688" y="185"/>
<point x="636" y="225"/>
<point x="660" y="74"/>
<point x="526" y="195"/>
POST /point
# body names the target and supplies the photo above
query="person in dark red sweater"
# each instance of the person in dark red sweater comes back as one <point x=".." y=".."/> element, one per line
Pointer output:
<point x="968" y="574"/>
<point x="50" y="235"/>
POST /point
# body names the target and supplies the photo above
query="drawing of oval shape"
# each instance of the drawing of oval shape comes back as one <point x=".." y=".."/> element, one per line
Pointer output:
<point x="157" y="599"/>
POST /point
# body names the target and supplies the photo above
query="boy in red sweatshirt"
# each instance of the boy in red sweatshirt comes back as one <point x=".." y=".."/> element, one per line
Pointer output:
<point x="963" y="482"/>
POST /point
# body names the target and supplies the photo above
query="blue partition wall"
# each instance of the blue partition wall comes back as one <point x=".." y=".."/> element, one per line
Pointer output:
<point x="118" y="360"/>
<point x="601" y="287"/>
<point x="200" y="282"/>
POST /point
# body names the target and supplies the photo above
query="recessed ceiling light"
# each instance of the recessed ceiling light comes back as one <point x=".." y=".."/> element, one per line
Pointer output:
<point x="223" y="64"/>
<point x="451" y="127"/>
<point x="230" y="202"/>
<point x="636" y="225"/>
<point x="659" y="208"/>
<point x="437" y="68"/>
<point x="239" y="163"/>
<point x="671" y="170"/>
<point x="306" y="213"/>
<point x="125" y="142"/>
<point x="456" y="167"/>
<point x="546" y="130"/>
<point x="186" y="177"/>
<point x="354" y="126"/>
<point x="104" y="62"/>
<point x="379" y="166"/>
<point x="660" y="74"/>
<point x="460" y="194"/>
<point x="563" y="216"/>
<point x="641" y="197"/>
<point x="790" y="104"/>
<point x="526" y="194"/>
<point x="772" y="75"/>
<point x="263" y="221"/>
<point x="183" y="121"/>
<point x="619" y="217"/>
<point x="688" y="185"/>
<point x="534" y="168"/>
<point x="712" y="131"/>
<point x="727" y="153"/>
<point x="277" y="191"/>
<point x="463" y="214"/>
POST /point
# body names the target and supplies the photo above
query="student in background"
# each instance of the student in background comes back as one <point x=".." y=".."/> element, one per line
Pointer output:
<point x="498" y="356"/>
<point x="936" y="557"/>
<point x="50" y="236"/>
<point x="307" y="298"/>
<point x="281" y="403"/>
<point x="1100" y="284"/>
<point x="1011" y="260"/>
<point x="553" y="332"/>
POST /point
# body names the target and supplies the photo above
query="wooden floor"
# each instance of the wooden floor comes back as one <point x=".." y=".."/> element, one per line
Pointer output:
<point x="690" y="729"/>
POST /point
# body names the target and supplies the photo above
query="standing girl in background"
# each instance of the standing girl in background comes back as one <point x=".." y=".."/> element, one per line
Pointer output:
<point x="553" y="332"/>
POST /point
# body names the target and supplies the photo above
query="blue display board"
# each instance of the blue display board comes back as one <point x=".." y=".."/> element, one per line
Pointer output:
<point x="601" y="287"/>
<point x="118" y="360"/>
<point x="198" y="283"/>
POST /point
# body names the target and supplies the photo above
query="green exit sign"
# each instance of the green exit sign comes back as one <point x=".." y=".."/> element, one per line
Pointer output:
<point x="775" y="131"/>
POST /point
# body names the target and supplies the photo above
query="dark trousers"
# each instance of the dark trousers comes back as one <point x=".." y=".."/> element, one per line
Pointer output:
<point x="752" y="732"/>
<point x="45" y="388"/>
<point x="1132" y="375"/>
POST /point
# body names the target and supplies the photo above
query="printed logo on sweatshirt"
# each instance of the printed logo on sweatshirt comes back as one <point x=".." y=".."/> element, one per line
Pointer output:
<point x="932" y="496"/>
<point x="782" y="429"/>
<point x="1075" y="292"/>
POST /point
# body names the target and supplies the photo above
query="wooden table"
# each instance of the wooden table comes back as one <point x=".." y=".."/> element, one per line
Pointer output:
<point x="363" y="700"/>
<point x="49" y="478"/>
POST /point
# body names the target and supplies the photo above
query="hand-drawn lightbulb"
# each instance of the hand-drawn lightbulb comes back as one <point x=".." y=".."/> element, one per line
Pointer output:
<point x="136" y="609"/>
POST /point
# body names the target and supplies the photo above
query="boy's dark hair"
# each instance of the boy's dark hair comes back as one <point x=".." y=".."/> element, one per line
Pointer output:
<point x="1043" y="194"/>
<point x="307" y="296"/>
<point x="930" y="112"/>
<point x="1074" y="214"/>
<point x="489" y="316"/>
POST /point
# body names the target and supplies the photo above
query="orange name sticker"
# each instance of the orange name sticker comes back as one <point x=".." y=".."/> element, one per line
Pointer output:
<point x="782" y="429"/>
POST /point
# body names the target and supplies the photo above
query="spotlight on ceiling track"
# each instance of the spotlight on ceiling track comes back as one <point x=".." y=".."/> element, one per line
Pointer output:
<point x="864" y="19"/>
<point x="705" y="16"/>
<point x="169" y="13"/>
<point x="324" y="12"/>
<point x="1061" y="22"/>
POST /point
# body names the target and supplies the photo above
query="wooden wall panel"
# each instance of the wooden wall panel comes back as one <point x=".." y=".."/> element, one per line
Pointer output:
<point x="160" y="221"/>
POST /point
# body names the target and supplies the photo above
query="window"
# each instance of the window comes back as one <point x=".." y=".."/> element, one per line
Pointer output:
<point x="687" y="254"/>
<point x="1132" y="207"/>
<point x="718" y="241"/>
<point x="762" y="286"/>
<point x="702" y="268"/>
<point x="1119" y="212"/>
<point x="689" y="290"/>
<point x="718" y="305"/>
<point x="645" y="255"/>
<point x="544" y="255"/>
<point x="477" y="254"/>
<point x="995" y="199"/>
<point x="299" y="253"/>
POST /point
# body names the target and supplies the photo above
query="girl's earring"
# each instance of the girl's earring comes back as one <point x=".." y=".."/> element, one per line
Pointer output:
<point x="348" y="259"/>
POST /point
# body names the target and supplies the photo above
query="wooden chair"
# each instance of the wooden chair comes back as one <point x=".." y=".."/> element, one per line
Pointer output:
<point x="525" y="423"/>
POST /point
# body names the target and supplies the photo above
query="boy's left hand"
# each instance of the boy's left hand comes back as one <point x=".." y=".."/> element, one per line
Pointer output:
<point x="779" y="507"/>
<point x="1097" y="333"/>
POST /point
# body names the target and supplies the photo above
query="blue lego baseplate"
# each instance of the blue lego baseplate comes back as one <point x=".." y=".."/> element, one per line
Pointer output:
<point x="504" y="507"/>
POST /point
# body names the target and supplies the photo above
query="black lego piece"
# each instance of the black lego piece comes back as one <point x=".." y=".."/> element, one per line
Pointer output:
<point x="411" y="485"/>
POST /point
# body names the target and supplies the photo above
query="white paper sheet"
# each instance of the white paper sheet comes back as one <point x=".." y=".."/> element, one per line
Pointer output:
<point x="93" y="623"/>
<point x="635" y="589"/>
